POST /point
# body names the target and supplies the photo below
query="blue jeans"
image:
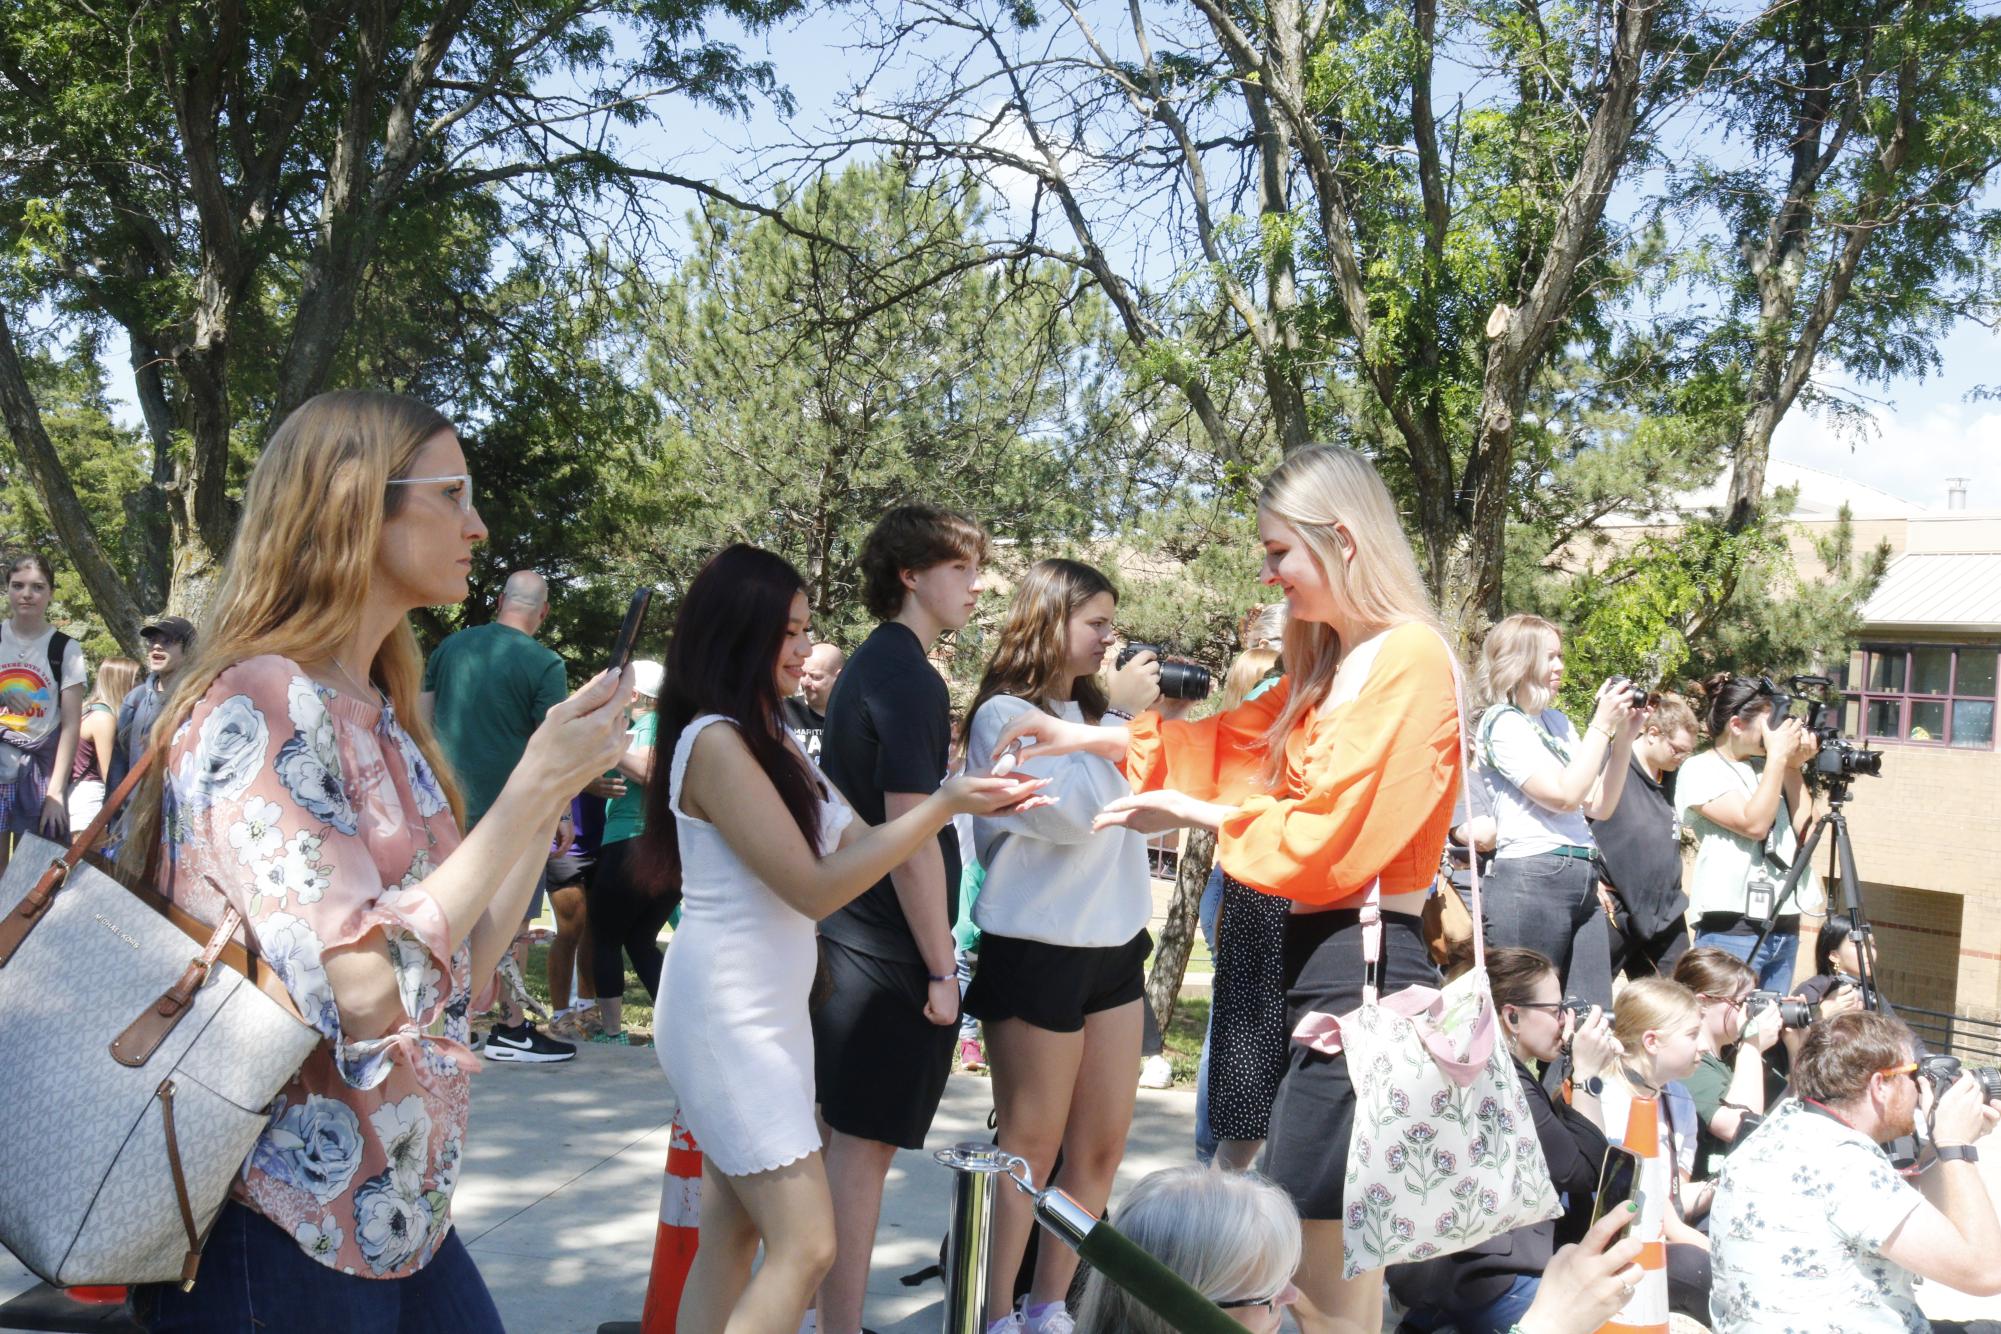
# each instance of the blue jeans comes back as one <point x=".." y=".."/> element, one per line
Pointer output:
<point x="1496" y="1317"/>
<point x="1205" y="916"/>
<point x="1549" y="903"/>
<point x="254" y="1278"/>
<point x="1774" y="964"/>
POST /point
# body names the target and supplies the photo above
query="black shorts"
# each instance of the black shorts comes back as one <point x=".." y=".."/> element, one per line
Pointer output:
<point x="879" y="1065"/>
<point x="1314" y="1116"/>
<point x="1055" y="986"/>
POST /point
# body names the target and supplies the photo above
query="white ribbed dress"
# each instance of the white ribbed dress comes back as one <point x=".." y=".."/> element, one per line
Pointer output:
<point x="734" y="1038"/>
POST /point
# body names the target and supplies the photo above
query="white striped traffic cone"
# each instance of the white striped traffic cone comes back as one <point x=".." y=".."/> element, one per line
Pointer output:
<point x="1646" y="1311"/>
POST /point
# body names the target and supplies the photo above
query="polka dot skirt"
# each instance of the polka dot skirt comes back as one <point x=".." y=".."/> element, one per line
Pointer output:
<point x="1247" y="1038"/>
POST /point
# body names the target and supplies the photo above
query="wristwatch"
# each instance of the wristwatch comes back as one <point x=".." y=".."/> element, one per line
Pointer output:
<point x="1595" y="1086"/>
<point x="1956" y="1153"/>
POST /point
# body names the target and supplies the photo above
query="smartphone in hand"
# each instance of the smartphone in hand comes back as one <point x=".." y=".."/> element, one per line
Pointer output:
<point x="1618" y="1181"/>
<point x="628" y="630"/>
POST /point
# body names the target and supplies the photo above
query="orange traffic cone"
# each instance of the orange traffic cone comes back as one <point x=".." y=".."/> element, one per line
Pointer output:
<point x="674" y="1243"/>
<point x="1646" y="1311"/>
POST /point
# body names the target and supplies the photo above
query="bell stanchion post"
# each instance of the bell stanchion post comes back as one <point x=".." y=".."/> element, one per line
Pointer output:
<point x="974" y="1169"/>
<point x="978" y="1169"/>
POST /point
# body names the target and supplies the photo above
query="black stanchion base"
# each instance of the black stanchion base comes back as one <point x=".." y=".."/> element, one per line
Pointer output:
<point x="50" y="1308"/>
<point x="619" y="1327"/>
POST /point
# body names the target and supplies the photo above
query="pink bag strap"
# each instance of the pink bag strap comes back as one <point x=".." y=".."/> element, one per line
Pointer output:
<point x="1372" y="942"/>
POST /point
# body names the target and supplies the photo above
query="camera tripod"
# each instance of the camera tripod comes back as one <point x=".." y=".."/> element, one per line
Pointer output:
<point x="1843" y="891"/>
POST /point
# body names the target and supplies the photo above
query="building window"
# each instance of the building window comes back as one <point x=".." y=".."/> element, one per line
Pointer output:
<point x="1927" y="694"/>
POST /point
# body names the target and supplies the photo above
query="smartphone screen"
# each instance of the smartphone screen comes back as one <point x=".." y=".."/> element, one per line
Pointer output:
<point x="628" y="630"/>
<point x="1618" y="1181"/>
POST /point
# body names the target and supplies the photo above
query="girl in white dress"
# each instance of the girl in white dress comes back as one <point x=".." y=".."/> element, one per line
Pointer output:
<point x="765" y="848"/>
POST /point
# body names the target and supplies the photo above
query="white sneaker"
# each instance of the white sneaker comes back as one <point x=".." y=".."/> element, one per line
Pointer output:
<point x="1007" y="1324"/>
<point x="1058" y="1321"/>
<point x="1155" y="1072"/>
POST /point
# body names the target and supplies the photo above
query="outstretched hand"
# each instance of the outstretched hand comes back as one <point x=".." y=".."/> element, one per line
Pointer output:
<point x="1037" y="735"/>
<point x="1157" y="812"/>
<point x="993" y="794"/>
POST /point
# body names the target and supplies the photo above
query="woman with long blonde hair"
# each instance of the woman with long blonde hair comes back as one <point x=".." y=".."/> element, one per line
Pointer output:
<point x="99" y="733"/>
<point x="1545" y="785"/>
<point x="1339" y="778"/>
<point x="295" y="782"/>
<point x="1062" y="918"/>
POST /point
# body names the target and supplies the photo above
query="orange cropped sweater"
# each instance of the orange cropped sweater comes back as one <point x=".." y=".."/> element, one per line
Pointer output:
<point x="1366" y="789"/>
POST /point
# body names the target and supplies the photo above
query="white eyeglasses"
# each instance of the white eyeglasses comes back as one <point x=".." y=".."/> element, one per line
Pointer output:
<point x="464" y="481"/>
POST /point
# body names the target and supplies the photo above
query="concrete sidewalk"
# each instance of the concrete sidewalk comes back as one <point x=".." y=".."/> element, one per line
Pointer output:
<point x="561" y="1193"/>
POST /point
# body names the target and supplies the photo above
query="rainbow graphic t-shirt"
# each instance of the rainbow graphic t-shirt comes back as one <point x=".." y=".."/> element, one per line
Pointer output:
<point x="28" y="700"/>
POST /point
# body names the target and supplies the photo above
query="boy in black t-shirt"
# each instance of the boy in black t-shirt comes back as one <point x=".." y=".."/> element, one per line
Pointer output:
<point x="883" y="1035"/>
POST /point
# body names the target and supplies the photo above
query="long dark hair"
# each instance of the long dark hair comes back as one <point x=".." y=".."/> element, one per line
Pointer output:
<point x="721" y="660"/>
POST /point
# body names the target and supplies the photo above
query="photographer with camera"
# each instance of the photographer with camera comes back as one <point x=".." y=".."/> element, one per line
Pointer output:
<point x="1745" y="799"/>
<point x="1730" y="1077"/>
<point x="1545" y="783"/>
<point x="1813" y="1228"/>
<point x="1639" y="847"/>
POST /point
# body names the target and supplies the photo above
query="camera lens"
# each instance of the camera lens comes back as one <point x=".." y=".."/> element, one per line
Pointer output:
<point x="1178" y="680"/>
<point x="1184" y="680"/>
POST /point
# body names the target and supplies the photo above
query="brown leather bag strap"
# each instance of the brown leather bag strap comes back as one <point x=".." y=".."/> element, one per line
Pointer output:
<point x="16" y="925"/>
<point x="192" y="1260"/>
<point x="143" y="1036"/>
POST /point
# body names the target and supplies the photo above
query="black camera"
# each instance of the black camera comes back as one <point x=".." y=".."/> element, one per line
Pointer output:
<point x="1793" y="1013"/>
<point x="1178" y="679"/>
<point x="1944" y="1071"/>
<point x="1838" y="759"/>
<point x="1580" y="1010"/>
<point x="1634" y="689"/>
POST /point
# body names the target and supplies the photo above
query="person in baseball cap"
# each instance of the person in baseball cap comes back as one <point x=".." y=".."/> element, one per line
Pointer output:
<point x="168" y="639"/>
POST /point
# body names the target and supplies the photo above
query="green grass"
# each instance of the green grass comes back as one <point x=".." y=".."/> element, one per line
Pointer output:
<point x="1184" y="1035"/>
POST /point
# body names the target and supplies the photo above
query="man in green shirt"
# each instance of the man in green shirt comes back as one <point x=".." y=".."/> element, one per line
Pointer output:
<point x="485" y="691"/>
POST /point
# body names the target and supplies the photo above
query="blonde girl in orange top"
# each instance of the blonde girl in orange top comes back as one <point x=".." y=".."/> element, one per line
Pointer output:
<point x="1341" y="775"/>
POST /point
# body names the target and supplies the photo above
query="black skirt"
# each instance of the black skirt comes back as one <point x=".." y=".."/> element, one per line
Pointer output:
<point x="1314" y="1116"/>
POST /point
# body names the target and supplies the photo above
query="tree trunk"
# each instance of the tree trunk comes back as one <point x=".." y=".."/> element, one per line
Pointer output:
<point x="1177" y="933"/>
<point x="73" y="527"/>
<point x="149" y="529"/>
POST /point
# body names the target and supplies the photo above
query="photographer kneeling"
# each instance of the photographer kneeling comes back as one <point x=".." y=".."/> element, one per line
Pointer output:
<point x="1813" y="1229"/>
<point x="1730" y="1080"/>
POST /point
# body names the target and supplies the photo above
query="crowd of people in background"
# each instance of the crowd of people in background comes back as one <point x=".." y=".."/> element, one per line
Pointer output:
<point x="866" y="882"/>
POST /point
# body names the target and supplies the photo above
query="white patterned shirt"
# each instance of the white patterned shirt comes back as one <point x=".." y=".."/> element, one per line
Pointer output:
<point x="1802" y="1210"/>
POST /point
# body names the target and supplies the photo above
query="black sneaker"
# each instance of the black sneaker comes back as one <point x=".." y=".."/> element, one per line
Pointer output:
<point x="527" y="1044"/>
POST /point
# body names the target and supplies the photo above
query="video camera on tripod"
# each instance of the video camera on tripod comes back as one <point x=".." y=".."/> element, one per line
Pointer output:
<point x="1838" y="759"/>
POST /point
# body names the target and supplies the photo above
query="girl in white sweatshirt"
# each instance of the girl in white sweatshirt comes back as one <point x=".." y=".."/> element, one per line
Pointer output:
<point x="1063" y="919"/>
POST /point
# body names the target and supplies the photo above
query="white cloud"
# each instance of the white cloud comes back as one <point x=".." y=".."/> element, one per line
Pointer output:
<point x="1908" y="453"/>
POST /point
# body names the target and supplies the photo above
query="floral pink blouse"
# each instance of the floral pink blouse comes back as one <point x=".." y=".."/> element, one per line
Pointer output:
<point x="319" y="818"/>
